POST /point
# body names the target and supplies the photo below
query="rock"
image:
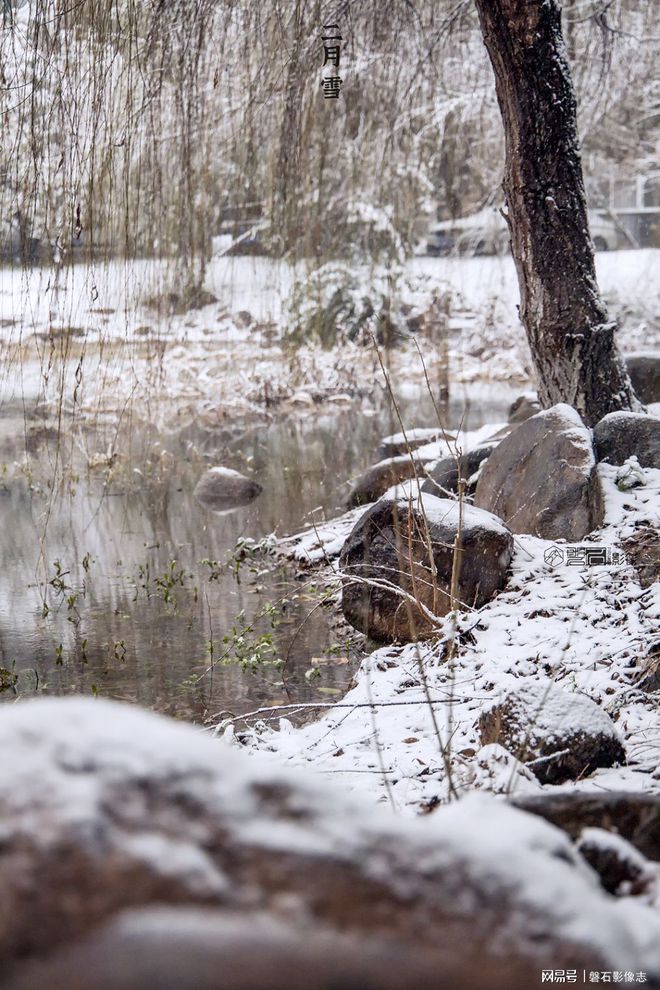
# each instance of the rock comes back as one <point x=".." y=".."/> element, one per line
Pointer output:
<point x="383" y="475"/>
<point x="634" y="816"/>
<point x="649" y="679"/>
<point x="642" y="550"/>
<point x="222" y="489"/>
<point x="621" y="435"/>
<point x="397" y="530"/>
<point x="542" y="479"/>
<point x="523" y="407"/>
<point x="644" y="370"/>
<point x="443" y="476"/>
<point x="398" y="444"/>
<point x="104" y="807"/>
<point x="622" y="868"/>
<point x="558" y="735"/>
<point x="187" y="948"/>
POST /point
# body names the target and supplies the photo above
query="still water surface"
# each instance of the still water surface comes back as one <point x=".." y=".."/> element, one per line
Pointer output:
<point x="106" y="585"/>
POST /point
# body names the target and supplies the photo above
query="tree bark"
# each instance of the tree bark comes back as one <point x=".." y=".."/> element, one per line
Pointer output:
<point x="570" y="337"/>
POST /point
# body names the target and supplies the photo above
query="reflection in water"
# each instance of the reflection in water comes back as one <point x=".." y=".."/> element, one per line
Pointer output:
<point x="108" y="584"/>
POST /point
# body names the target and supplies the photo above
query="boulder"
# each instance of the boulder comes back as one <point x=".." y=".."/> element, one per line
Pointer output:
<point x="622" y="868"/>
<point x="406" y="545"/>
<point x="541" y="479"/>
<point x="644" y="371"/>
<point x="104" y="807"/>
<point x="399" y="443"/>
<point x="631" y="815"/>
<point x="558" y="735"/>
<point x="209" y="949"/>
<point x="621" y="435"/>
<point x="443" y="476"/>
<point x="523" y="407"/>
<point x="383" y="475"/>
<point x="222" y="489"/>
<point x="642" y="550"/>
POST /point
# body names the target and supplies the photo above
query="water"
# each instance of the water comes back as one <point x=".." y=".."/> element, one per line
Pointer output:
<point x="104" y="589"/>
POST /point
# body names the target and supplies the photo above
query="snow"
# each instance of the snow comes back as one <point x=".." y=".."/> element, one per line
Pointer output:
<point x="82" y="338"/>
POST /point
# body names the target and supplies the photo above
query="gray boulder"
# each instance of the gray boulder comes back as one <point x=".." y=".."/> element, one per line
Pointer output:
<point x="406" y="546"/>
<point x="541" y="479"/>
<point x="644" y="371"/>
<point x="621" y="435"/>
<point x="222" y="489"/>
<point x="560" y="736"/>
<point x="444" y="475"/>
<point x="379" y="477"/>
<point x="523" y="407"/>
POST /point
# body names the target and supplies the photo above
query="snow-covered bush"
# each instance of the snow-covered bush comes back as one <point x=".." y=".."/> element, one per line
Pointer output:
<point x="343" y="302"/>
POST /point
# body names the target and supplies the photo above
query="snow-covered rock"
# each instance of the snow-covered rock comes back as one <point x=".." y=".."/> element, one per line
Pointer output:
<point x="621" y="435"/>
<point x="104" y="807"/>
<point x="379" y="477"/>
<point x="397" y="564"/>
<point x="401" y="443"/>
<point x="444" y="474"/>
<point x="541" y="479"/>
<point x="560" y="736"/>
<point x="622" y="868"/>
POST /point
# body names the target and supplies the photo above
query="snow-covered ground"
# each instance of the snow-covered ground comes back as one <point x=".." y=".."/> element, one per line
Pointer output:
<point x="584" y="628"/>
<point x="86" y="340"/>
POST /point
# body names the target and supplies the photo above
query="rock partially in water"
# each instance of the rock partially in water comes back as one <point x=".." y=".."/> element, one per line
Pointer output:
<point x="377" y="479"/>
<point x="621" y="435"/>
<point x="444" y="475"/>
<point x="542" y="478"/>
<point x="644" y="370"/>
<point x="400" y="554"/>
<point x="222" y="489"/>
<point x="105" y="807"/>
<point x="523" y="407"/>
<point x="559" y="736"/>
<point x="399" y="443"/>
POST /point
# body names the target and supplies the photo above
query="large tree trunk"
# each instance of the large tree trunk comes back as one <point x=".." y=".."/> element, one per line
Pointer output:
<point x="570" y="337"/>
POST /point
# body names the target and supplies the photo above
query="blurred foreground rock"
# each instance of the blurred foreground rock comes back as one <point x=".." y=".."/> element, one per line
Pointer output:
<point x="634" y="816"/>
<point x="397" y="564"/>
<point x="105" y="807"/>
<point x="208" y="949"/>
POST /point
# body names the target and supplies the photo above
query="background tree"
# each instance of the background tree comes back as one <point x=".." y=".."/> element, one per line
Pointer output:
<point x="570" y="337"/>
